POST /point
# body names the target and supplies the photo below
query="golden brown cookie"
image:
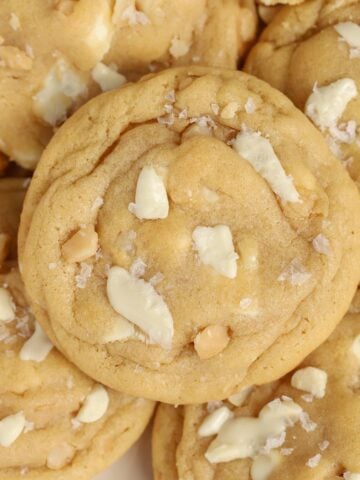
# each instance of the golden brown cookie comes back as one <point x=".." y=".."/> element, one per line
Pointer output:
<point x="189" y="234"/>
<point x="55" y="422"/>
<point x="54" y="55"/>
<point x="303" y="427"/>
<point x="12" y="193"/>
<point x="311" y="52"/>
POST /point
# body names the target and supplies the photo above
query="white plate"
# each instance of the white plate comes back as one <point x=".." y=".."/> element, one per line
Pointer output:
<point x="134" y="465"/>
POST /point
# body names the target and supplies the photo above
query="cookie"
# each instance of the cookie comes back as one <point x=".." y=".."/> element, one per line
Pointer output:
<point x="12" y="193"/>
<point x="55" y="422"/>
<point x="311" y="52"/>
<point x="54" y="55"/>
<point x="189" y="234"/>
<point x="304" y="426"/>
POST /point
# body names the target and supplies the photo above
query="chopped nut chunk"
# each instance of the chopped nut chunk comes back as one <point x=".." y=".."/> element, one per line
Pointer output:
<point x="211" y="341"/>
<point x="82" y="245"/>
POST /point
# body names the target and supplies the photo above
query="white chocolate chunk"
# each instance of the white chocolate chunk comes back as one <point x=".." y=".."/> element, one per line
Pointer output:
<point x="7" y="307"/>
<point x="326" y="105"/>
<point x="239" y="398"/>
<point x="106" y="77"/>
<point x="350" y="33"/>
<point x="151" y="201"/>
<point x="258" y="151"/>
<point x="94" y="406"/>
<point x="355" y="347"/>
<point x="263" y="466"/>
<point x="61" y="88"/>
<point x="37" y="347"/>
<point x="351" y="476"/>
<point x="244" y="437"/>
<point x="11" y="428"/>
<point x="139" y="303"/>
<point x="213" y="422"/>
<point x="311" y="380"/>
<point x="216" y="249"/>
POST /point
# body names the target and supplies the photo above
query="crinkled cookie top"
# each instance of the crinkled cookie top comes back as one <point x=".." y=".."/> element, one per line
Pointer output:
<point x="56" y="54"/>
<point x="185" y="235"/>
<point x="55" y="422"/>
<point x="311" y="52"/>
<point x="303" y="426"/>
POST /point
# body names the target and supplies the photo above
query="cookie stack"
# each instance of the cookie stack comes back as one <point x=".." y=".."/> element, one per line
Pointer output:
<point x="189" y="237"/>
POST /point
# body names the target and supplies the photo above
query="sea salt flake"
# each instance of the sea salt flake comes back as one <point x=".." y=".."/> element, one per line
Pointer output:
<point x="98" y="202"/>
<point x="84" y="275"/>
<point x="273" y="442"/>
<point x="286" y="451"/>
<point x="75" y="424"/>
<point x="308" y="397"/>
<point x="183" y="114"/>
<point x="324" y="445"/>
<point x="245" y="302"/>
<point x="156" y="279"/>
<point x="52" y="265"/>
<point x="214" y="405"/>
<point x="295" y="273"/>
<point x="70" y="383"/>
<point x="166" y="119"/>
<point x="29" y="51"/>
<point x="138" y="268"/>
<point x="314" y="461"/>
<point x="135" y="17"/>
<point x="203" y="121"/>
<point x="168" y="108"/>
<point x="14" y="22"/>
<point x="250" y="105"/>
<point x="307" y="424"/>
<point x="321" y="244"/>
<point x="178" y="47"/>
<point x="215" y="108"/>
<point x="29" y="426"/>
<point x="170" y="96"/>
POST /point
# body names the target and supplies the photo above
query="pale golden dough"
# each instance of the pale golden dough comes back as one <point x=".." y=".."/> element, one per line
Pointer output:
<point x="50" y="394"/>
<point x="99" y="153"/>
<point x="35" y="36"/>
<point x="178" y="451"/>
<point x="301" y="48"/>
